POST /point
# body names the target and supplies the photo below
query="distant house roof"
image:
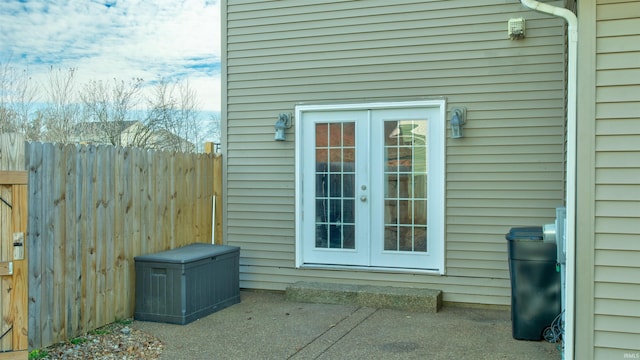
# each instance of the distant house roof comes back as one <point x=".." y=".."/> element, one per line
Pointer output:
<point x="94" y="132"/>
<point x="128" y="133"/>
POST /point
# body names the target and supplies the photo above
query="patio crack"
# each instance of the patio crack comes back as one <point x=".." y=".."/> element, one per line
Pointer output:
<point x="327" y="339"/>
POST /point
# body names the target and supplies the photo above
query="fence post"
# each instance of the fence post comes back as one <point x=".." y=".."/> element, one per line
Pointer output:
<point x="216" y="232"/>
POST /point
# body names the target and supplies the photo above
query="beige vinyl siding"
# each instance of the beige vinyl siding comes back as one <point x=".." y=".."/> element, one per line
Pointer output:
<point x="617" y="185"/>
<point x="507" y="171"/>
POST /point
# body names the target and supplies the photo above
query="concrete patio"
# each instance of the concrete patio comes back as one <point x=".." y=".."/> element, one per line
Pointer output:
<point x="267" y="326"/>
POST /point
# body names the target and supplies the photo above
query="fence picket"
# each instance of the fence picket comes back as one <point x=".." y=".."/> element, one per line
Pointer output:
<point x="34" y="160"/>
<point x="133" y="228"/>
<point x="48" y="280"/>
<point x="57" y="240"/>
<point x="92" y="212"/>
<point x="119" y="276"/>
<point x="72" y="272"/>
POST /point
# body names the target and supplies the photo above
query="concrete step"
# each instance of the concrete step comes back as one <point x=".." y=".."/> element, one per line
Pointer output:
<point x="385" y="297"/>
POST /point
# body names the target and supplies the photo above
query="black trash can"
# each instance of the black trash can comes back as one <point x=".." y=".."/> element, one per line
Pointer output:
<point x="535" y="282"/>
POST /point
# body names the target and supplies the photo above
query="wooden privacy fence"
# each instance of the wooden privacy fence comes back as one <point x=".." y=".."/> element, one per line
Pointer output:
<point x="91" y="210"/>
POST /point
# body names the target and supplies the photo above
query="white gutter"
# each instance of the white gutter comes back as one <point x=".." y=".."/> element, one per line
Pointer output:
<point x="572" y="22"/>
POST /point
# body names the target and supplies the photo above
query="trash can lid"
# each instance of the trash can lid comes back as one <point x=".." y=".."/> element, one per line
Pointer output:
<point x="533" y="233"/>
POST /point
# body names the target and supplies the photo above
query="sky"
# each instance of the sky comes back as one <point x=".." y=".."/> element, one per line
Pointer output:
<point x="123" y="39"/>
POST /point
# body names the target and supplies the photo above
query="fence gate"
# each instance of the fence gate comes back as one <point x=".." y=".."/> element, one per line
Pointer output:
<point x="13" y="255"/>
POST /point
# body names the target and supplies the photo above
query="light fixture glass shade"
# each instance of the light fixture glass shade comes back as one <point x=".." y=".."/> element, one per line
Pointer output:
<point x="280" y="134"/>
<point x="281" y="125"/>
<point x="456" y="126"/>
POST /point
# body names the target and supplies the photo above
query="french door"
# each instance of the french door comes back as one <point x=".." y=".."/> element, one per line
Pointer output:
<point x="371" y="185"/>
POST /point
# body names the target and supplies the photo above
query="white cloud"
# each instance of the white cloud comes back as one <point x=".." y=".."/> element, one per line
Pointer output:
<point x="121" y="39"/>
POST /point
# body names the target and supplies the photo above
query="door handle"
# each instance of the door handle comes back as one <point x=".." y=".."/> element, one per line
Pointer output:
<point x="363" y="198"/>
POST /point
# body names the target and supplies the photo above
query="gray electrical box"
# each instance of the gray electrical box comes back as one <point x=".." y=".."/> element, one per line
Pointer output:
<point x="181" y="285"/>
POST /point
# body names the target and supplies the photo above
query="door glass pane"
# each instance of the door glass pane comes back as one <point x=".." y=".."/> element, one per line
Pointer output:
<point x="335" y="185"/>
<point x="405" y="185"/>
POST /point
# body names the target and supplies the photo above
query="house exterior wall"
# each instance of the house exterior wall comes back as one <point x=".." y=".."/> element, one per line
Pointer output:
<point x="508" y="170"/>
<point x="608" y="273"/>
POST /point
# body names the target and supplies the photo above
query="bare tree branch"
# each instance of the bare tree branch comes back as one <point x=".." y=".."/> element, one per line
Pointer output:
<point x="63" y="110"/>
<point x="173" y="116"/>
<point x="17" y="97"/>
<point x="107" y="107"/>
<point x="104" y="112"/>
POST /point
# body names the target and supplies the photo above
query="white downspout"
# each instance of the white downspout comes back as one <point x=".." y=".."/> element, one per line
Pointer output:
<point x="572" y="22"/>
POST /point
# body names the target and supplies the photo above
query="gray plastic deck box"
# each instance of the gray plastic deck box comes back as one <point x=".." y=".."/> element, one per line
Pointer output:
<point x="181" y="285"/>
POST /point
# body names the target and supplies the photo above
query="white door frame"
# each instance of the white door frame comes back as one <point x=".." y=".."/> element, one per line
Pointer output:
<point x="437" y="201"/>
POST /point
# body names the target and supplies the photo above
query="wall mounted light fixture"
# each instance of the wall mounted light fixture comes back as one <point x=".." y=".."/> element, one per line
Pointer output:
<point x="458" y="119"/>
<point x="283" y="123"/>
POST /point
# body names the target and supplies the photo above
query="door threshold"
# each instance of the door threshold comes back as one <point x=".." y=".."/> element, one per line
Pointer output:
<point x="371" y="269"/>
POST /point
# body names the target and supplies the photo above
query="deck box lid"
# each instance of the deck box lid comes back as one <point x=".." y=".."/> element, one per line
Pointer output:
<point x="187" y="254"/>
